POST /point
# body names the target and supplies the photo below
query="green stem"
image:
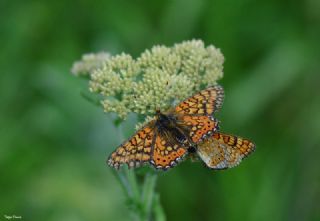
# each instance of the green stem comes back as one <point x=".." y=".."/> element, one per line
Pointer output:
<point x="148" y="194"/>
<point x="123" y="182"/>
<point x="134" y="189"/>
<point x="159" y="214"/>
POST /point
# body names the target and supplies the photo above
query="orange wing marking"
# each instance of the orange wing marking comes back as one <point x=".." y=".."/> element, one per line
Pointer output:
<point x="206" y="102"/>
<point x="199" y="127"/>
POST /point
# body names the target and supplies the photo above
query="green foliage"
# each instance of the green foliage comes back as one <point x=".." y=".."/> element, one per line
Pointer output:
<point x="53" y="143"/>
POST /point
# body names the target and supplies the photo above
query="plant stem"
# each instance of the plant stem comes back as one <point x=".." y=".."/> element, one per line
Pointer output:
<point x="133" y="185"/>
<point x="148" y="194"/>
<point x="158" y="211"/>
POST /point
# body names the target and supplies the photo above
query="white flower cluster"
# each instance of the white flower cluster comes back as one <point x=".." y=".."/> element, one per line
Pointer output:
<point x="89" y="63"/>
<point x="156" y="79"/>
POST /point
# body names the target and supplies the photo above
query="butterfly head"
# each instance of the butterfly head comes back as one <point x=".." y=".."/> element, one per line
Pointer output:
<point x="161" y="117"/>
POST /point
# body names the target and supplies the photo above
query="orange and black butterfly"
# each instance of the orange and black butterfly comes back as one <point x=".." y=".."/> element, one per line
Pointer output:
<point x="165" y="141"/>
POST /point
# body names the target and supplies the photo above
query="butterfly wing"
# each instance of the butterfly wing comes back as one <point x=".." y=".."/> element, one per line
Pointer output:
<point x="194" y="114"/>
<point x="197" y="127"/>
<point x="206" y="102"/>
<point x="167" y="152"/>
<point x="136" y="150"/>
<point x="223" y="151"/>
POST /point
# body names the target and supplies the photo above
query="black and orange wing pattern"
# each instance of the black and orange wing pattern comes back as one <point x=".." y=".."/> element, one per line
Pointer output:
<point x="205" y="102"/>
<point x="148" y="145"/>
<point x="198" y="127"/>
<point x="135" y="151"/>
<point x="167" y="152"/>
<point x="222" y="151"/>
<point x="195" y="113"/>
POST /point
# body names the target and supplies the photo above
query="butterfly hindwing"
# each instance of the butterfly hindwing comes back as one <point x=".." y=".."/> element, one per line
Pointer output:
<point x="243" y="145"/>
<point x="222" y="151"/>
<point x="136" y="150"/>
<point x="167" y="152"/>
<point x="206" y="102"/>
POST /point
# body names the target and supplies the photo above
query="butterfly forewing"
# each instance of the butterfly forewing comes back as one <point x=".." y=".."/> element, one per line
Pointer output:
<point x="136" y="150"/>
<point x="206" y="102"/>
<point x="194" y="114"/>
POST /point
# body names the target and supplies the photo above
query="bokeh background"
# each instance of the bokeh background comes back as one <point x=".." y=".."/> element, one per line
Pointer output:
<point x="53" y="143"/>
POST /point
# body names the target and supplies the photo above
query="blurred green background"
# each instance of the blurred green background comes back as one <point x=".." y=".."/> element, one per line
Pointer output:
<point x="53" y="143"/>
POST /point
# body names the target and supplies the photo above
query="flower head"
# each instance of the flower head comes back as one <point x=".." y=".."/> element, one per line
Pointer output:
<point x="155" y="80"/>
<point x="89" y="63"/>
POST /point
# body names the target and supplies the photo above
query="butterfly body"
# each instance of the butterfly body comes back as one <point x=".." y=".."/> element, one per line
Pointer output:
<point x="166" y="125"/>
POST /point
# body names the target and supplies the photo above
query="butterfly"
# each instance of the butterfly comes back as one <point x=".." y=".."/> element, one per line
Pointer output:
<point x="166" y="140"/>
<point x="222" y="151"/>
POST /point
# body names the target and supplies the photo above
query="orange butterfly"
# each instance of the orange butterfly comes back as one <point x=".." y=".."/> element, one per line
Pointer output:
<point x="222" y="151"/>
<point x="165" y="141"/>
